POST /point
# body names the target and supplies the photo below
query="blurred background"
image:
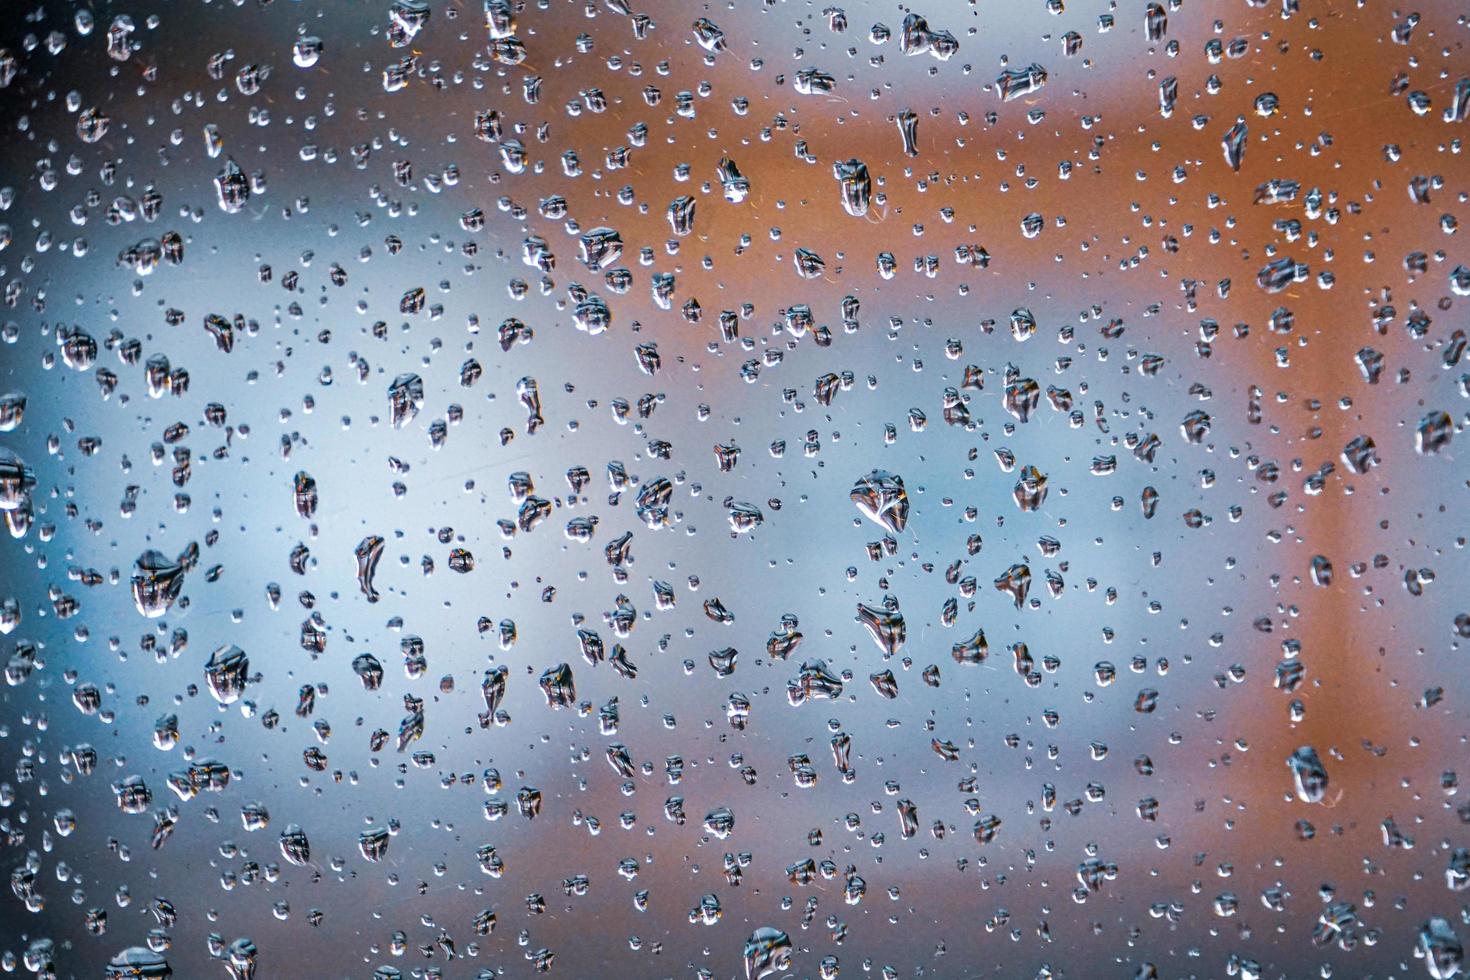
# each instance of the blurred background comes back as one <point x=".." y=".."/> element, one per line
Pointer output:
<point x="369" y="182"/>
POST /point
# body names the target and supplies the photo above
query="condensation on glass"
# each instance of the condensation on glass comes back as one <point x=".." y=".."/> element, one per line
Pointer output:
<point x="763" y="489"/>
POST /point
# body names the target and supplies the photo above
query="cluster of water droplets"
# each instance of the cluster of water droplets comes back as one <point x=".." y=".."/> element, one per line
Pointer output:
<point x="408" y="408"/>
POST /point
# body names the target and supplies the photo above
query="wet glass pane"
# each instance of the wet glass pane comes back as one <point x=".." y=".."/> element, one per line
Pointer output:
<point x="746" y="490"/>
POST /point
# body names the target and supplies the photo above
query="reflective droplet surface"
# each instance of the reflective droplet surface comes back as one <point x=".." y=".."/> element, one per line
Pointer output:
<point x="604" y="489"/>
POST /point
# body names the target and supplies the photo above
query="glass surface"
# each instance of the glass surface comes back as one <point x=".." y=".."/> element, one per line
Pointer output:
<point x="733" y="490"/>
